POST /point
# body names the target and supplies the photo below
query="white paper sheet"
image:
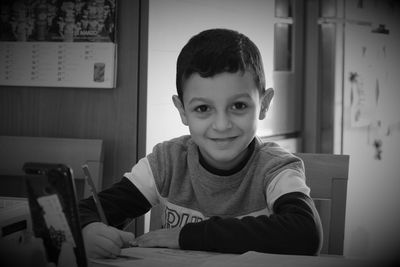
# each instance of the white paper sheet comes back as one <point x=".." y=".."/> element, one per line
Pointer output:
<point x="163" y="257"/>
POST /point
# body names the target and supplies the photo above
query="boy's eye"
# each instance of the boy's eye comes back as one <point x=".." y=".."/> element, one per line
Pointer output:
<point x="239" y="106"/>
<point x="202" y="108"/>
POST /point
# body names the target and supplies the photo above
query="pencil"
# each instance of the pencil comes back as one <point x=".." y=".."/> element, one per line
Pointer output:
<point x="94" y="194"/>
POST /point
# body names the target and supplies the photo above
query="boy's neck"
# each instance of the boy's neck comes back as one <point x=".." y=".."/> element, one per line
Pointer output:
<point x="232" y="171"/>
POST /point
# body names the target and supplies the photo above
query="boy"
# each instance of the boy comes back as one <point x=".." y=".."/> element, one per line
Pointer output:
<point x="221" y="188"/>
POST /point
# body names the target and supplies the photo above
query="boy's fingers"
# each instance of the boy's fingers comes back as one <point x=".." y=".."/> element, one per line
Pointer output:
<point x="159" y="238"/>
<point x="104" y="231"/>
<point x="113" y="234"/>
<point x="146" y="240"/>
<point x="126" y="237"/>
<point x="102" y="241"/>
<point x="107" y="248"/>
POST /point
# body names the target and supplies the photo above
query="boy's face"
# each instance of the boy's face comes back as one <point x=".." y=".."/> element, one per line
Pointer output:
<point x="222" y="113"/>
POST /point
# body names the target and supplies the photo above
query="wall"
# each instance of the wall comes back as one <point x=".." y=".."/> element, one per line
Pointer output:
<point x="108" y="114"/>
<point x="372" y="114"/>
<point x="337" y="44"/>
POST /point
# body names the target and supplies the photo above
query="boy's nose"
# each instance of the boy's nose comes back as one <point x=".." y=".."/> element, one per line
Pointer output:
<point x="222" y="122"/>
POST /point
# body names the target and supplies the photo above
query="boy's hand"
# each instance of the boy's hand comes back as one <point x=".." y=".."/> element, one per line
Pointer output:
<point x="168" y="238"/>
<point x="102" y="241"/>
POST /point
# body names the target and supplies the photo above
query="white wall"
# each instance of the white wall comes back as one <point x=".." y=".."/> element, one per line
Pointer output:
<point x="373" y="212"/>
<point x="171" y="24"/>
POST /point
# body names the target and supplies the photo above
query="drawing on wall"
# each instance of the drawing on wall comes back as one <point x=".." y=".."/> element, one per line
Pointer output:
<point x="361" y="99"/>
<point x="364" y="78"/>
<point x="58" y="43"/>
<point x="372" y="93"/>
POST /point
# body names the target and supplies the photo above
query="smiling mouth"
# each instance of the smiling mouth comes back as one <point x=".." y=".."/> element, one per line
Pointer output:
<point x="223" y="141"/>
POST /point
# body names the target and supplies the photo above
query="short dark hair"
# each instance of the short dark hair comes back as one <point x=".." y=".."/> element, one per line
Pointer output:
<point x="216" y="51"/>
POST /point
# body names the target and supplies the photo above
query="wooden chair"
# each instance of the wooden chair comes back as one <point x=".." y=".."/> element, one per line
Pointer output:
<point x="16" y="150"/>
<point x="326" y="175"/>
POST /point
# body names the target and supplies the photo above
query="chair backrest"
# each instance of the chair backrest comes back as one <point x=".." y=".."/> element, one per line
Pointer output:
<point x="327" y="176"/>
<point x="16" y="150"/>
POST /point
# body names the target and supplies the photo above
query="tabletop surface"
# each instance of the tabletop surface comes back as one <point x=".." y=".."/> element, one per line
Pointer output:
<point x="163" y="257"/>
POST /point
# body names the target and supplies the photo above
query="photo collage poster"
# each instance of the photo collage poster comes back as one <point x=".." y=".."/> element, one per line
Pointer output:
<point x="58" y="43"/>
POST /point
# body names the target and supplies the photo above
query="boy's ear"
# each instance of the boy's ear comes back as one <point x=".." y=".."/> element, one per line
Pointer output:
<point x="179" y="106"/>
<point x="265" y="102"/>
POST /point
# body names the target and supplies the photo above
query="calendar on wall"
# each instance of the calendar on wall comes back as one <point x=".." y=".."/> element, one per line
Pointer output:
<point x="58" y="43"/>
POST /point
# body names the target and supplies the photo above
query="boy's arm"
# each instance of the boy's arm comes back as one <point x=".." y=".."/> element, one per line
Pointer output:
<point x="294" y="228"/>
<point x="121" y="201"/>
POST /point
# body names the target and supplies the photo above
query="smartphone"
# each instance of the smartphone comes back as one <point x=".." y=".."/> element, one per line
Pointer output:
<point x="54" y="211"/>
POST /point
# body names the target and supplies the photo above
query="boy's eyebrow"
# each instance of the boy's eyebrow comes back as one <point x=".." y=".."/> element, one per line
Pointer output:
<point x="203" y="99"/>
<point x="200" y="99"/>
<point x="240" y="95"/>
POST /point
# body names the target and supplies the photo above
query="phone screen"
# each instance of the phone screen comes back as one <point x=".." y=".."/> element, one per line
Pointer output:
<point x="54" y="211"/>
